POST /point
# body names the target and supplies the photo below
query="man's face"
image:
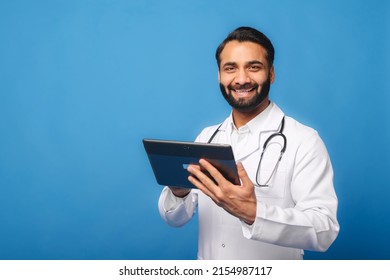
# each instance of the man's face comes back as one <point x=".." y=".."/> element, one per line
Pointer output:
<point x="245" y="76"/>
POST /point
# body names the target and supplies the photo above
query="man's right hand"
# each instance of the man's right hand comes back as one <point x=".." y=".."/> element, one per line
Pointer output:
<point x="180" y="192"/>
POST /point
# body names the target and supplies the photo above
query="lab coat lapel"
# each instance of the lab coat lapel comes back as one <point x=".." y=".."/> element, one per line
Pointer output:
<point x="226" y="129"/>
<point x="271" y="125"/>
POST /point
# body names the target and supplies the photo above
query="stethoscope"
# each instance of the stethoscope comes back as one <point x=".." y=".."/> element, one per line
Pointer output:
<point x="272" y="136"/>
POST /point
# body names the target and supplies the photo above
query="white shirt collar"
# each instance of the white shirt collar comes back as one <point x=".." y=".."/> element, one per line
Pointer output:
<point x="254" y="125"/>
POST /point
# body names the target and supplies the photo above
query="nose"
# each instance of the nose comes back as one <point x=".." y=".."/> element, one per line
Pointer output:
<point x="241" y="77"/>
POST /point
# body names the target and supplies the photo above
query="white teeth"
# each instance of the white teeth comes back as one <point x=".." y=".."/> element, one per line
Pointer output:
<point x="243" y="92"/>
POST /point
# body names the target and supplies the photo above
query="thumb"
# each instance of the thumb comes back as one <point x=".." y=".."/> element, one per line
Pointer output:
<point x="243" y="175"/>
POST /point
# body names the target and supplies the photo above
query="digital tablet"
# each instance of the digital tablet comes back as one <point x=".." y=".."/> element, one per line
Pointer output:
<point x="170" y="159"/>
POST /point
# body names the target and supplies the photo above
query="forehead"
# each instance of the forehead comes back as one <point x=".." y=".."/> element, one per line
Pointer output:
<point x="241" y="52"/>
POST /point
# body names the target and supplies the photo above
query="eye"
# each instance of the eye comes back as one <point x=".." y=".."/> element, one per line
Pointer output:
<point x="229" y="69"/>
<point x="255" y="67"/>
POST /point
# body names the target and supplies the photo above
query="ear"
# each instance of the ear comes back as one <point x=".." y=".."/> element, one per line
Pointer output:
<point x="272" y="74"/>
<point x="219" y="76"/>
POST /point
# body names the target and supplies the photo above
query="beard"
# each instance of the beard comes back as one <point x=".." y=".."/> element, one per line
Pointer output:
<point x="243" y="105"/>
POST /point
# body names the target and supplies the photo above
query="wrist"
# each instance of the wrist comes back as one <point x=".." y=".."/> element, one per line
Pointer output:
<point x="180" y="192"/>
<point x="250" y="215"/>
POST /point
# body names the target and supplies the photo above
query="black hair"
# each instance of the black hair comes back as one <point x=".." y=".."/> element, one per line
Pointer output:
<point x="248" y="34"/>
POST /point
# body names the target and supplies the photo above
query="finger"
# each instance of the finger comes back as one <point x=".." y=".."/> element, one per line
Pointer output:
<point x="202" y="187"/>
<point x="214" y="172"/>
<point x="192" y="165"/>
<point x="246" y="181"/>
<point x="200" y="176"/>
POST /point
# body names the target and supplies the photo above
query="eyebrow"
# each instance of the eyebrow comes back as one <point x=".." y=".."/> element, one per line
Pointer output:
<point x="252" y="62"/>
<point x="229" y="64"/>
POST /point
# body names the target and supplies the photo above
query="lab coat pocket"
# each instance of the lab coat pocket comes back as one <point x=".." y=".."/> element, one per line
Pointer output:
<point x="276" y="188"/>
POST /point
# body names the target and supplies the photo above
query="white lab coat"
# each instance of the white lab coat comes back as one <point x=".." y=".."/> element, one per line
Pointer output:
<point x="296" y="212"/>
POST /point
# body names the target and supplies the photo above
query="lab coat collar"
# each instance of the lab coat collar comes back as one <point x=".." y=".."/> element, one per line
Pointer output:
<point x="270" y="125"/>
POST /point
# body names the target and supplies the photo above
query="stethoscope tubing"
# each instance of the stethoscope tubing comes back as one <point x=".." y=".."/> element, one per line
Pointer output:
<point x="282" y="151"/>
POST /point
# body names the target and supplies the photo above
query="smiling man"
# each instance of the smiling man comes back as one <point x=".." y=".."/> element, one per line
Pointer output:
<point x="286" y="202"/>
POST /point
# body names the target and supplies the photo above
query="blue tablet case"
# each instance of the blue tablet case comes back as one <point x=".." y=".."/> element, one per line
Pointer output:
<point x="169" y="160"/>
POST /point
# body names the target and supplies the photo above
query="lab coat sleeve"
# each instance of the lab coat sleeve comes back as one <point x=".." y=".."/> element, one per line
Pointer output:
<point x="176" y="211"/>
<point x="312" y="223"/>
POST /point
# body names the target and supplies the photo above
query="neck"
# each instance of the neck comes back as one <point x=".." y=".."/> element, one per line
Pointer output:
<point x="242" y="118"/>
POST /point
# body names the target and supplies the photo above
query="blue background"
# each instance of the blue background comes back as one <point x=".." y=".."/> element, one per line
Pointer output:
<point x="82" y="82"/>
